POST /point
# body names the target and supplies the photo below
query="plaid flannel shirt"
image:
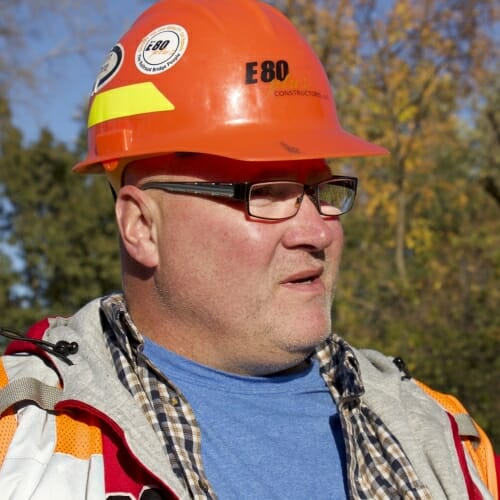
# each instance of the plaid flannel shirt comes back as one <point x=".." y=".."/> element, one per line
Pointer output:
<point x="377" y="467"/>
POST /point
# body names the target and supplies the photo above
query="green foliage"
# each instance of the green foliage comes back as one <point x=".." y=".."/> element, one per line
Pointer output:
<point x="59" y="226"/>
<point x="421" y="265"/>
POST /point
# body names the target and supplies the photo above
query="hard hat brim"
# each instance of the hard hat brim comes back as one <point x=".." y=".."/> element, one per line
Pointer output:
<point x="265" y="146"/>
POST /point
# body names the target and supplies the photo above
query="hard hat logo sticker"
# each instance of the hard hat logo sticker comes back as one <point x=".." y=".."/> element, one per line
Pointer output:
<point x="109" y="67"/>
<point x="161" y="49"/>
<point x="266" y="71"/>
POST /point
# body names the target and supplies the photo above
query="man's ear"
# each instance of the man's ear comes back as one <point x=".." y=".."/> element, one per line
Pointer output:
<point x="136" y="223"/>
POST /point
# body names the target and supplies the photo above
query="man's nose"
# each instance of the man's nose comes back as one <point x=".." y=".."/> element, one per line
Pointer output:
<point x="310" y="229"/>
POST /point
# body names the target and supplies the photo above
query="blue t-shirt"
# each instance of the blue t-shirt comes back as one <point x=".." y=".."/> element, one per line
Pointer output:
<point x="262" y="437"/>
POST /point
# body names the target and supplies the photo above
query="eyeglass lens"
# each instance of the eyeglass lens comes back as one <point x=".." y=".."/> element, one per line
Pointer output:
<point x="280" y="200"/>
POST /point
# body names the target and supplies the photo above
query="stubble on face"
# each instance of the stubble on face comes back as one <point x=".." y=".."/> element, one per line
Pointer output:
<point x="240" y="318"/>
<point x="219" y="291"/>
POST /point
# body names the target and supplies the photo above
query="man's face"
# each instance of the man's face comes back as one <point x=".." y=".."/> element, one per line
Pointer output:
<point x="243" y="295"/>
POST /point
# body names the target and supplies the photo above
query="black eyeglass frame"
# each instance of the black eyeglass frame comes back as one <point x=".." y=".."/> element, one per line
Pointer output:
<point x="240" y="191"/>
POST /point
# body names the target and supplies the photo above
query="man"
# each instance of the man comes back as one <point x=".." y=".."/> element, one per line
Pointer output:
<point x="215" y="373"/>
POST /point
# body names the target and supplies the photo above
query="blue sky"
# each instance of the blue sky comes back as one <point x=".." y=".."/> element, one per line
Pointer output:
<point x="83" y="33"/>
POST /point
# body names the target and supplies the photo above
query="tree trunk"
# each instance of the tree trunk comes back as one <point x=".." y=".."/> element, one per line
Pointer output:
<point x="401" y="224"/>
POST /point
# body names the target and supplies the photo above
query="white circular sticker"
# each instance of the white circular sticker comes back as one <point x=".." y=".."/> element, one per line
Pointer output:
<point x="161" y="49"/>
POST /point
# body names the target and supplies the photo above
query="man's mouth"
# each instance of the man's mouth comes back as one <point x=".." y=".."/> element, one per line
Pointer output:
<point x="306" y="277"/>
<point x="304" y="280"/>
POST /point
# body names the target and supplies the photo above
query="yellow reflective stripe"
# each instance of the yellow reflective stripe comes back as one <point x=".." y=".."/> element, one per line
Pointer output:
<point x="127" y="101"/>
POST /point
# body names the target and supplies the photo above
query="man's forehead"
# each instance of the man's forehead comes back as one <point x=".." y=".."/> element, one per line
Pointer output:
<point x="217" y="168"/>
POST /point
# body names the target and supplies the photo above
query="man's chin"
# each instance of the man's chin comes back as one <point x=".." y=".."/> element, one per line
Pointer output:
<point x="303" y="347"/>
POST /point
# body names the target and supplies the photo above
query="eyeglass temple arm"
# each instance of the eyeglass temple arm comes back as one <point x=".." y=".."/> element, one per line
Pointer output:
<point x="223" y="190"/>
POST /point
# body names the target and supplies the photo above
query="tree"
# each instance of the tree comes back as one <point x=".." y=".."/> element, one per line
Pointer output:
<point x="66" y="28"/>
<point x="427" y="206"/>
<point x="421" y="258"/>
<point x="60" y="227"/>
<point x="486" y="143"/>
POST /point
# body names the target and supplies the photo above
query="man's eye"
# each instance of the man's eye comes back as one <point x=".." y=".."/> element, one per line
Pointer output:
<point x="263" y="192"/>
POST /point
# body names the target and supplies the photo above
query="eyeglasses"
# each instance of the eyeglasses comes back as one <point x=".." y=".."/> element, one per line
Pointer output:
<point x="273" y="200"/>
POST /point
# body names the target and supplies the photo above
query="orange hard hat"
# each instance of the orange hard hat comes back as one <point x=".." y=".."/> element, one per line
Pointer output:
<point x="232" y="78"/>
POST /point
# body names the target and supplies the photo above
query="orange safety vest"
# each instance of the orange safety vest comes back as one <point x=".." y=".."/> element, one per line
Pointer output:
<point x="474" y="440"/>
